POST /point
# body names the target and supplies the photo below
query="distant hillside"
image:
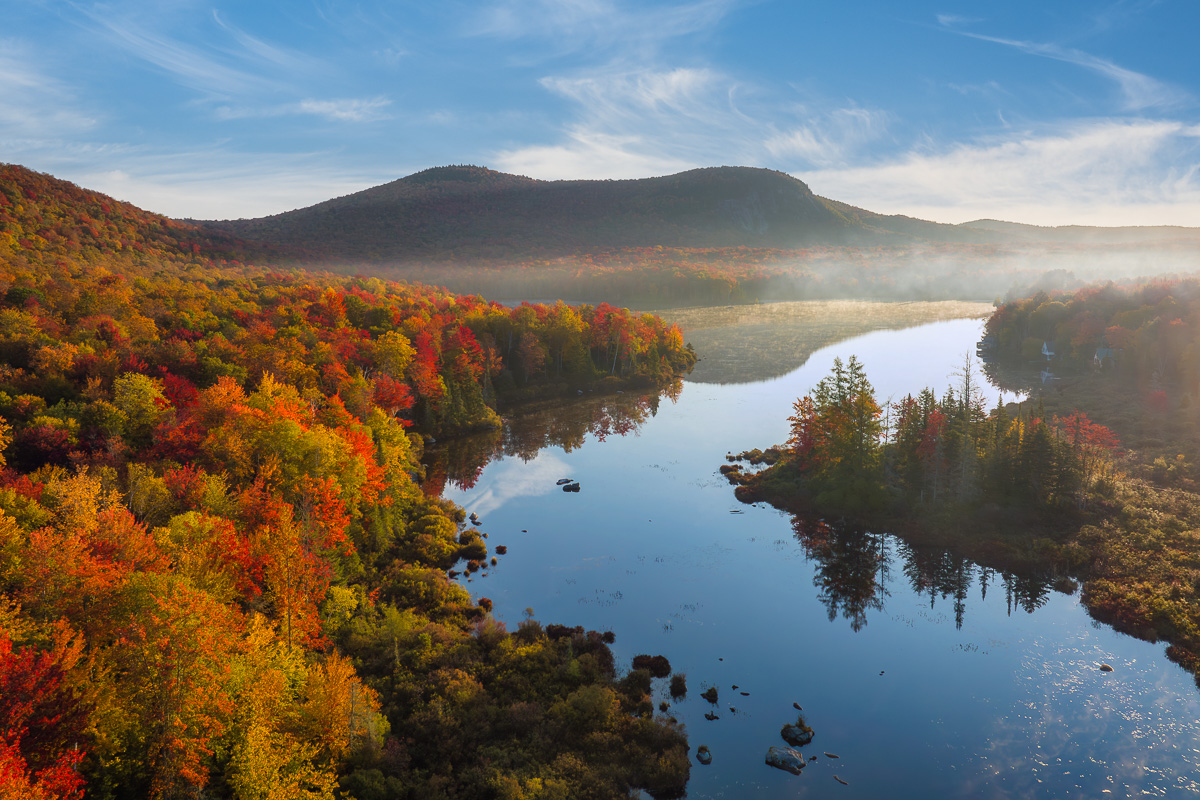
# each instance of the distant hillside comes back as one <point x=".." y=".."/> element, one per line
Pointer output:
<point x="1014" y="232"/>
<point x="461" y="213"/>
<point x="464" y="212"/>
<point x="44" y="219"/>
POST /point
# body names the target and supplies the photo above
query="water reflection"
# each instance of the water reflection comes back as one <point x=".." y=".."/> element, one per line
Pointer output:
<point x="853" y="571"/>
<point x="751" y="343"/>
<point x="459" y="462"/>
<point x="852" y="567"/>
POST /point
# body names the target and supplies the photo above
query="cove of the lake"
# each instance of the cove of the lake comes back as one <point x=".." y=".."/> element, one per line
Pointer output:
<point x="927" y="675"/>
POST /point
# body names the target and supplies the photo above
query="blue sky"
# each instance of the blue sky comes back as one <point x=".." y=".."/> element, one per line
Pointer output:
<point x="1049" y="113"/>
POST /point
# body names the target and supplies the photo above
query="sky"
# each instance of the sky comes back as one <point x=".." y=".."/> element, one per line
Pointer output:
<point x="1048" y="113"/>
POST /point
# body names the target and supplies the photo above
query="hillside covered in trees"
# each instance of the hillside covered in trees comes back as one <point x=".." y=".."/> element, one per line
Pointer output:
<point x="219" y="573"/>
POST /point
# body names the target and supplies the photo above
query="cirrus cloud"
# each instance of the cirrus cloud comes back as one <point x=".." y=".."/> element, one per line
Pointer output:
<point x="1096" y="172"/>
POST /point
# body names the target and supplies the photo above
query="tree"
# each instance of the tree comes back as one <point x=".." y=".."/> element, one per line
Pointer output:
<point x="836" y="436"/>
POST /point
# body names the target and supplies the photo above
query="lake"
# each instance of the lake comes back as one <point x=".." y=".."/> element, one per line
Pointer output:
<point x="928" y="675"/>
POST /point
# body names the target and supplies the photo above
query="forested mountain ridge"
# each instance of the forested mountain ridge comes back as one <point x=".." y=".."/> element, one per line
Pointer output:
<point x="478" y="231"/>
<point x="476" y="212"/>
<point x="470" y="212"/>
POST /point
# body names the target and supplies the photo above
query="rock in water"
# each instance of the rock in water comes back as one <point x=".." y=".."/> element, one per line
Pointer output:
<point x="704" y="755"/>
<point x="1105" y="668"/>
<point x="795" y="735"/>
<point x="785" y="758"/>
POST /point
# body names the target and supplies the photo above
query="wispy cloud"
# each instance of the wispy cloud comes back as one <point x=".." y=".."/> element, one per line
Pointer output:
<point x="186" y="63"/>
<point x="591" y="155"/>
<point x="340" y="110"/>
<point x="950" y="20"/>
<point x="633" y="124"/>
<point x="638" y="123"/>
<point x="347" y="110"/>
<point x="1099" y="172"/>
<point x="260" y="49"/>
<point x="34" y="105"/>
<point x="1139" y="91"/>
<point x="829" y="138"/>
<point x="512" y="481"/>
<point x="598" y="25"/>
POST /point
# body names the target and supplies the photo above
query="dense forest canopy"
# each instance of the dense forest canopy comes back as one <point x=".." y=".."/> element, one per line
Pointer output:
<point x="220" y="573"/>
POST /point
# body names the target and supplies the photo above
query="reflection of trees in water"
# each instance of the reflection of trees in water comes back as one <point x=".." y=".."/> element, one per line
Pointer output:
<point x="1027" y="593"/>
<point x="938" y="572"/>
<point x="853" y="569"/>
<point x="460" y="461"/>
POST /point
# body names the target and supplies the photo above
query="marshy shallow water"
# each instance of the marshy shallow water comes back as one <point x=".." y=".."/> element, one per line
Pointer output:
<point x="928" y="675"/>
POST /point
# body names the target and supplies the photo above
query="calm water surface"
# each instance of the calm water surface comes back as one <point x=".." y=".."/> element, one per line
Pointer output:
<point x="928" y="675"/>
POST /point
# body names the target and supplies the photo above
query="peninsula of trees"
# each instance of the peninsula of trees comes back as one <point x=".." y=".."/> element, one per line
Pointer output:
<point x="1092" y="477"/>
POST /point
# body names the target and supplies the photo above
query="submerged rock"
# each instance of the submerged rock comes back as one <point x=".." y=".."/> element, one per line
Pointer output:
<point x="785" y="758"/>
<point x="704" y="755"/>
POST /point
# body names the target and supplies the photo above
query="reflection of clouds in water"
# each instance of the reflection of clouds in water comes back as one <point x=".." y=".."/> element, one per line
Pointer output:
<point x="509" y="481"/>
<point x="1080" y="732"/>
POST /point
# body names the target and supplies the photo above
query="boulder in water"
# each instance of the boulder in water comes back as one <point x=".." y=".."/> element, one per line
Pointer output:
<point x="785" y="758"/>
<point x="796" y="735"/>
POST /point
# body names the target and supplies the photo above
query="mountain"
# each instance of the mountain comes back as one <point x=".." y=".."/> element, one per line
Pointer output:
<point x="462" y="214"/>
<point x="464" y="211"/>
